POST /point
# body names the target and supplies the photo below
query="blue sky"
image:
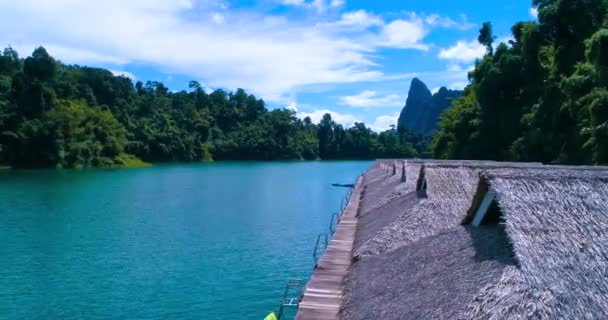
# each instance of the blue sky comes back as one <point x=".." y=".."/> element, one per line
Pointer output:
<point x="352" y="58"/>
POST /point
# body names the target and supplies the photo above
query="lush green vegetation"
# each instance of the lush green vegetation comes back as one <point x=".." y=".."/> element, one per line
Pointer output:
<point x="542" y="97"/>
<point x="57" y="115"/>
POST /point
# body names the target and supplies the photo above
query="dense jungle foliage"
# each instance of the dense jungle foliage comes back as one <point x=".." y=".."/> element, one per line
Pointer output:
<point x="58" y="115"/>
<point x="541" y="97"/>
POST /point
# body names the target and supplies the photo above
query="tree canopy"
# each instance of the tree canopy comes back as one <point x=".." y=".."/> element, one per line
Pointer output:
<point x="541" y="97"/>
<point x="58" y="115"/>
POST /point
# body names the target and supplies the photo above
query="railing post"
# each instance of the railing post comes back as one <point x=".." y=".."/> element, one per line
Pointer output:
<point x="335" y="219"/>
<point x="291" y="300"/>
<point x="315" y="254"/>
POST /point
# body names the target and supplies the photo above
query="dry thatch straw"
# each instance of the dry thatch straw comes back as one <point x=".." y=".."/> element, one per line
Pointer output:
<point x="382" y="187"/>
<point x="557" y="221"/>
<point x="449" y="190"/>
<point x="434" y="278"/>
<point x="412" y="171"/>
<point x="555" y="224"/>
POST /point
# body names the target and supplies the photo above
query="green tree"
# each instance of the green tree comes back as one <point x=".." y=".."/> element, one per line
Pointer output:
<point x="52" y="114"/>
<point x="486" y="37"/>
<point x="543" y="97"/>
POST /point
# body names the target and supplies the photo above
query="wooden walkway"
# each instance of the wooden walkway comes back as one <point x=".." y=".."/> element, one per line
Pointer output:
<point x="324" y="291"/>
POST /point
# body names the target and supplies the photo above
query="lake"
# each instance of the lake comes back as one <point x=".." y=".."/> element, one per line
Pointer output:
<point x="203" y="241"/>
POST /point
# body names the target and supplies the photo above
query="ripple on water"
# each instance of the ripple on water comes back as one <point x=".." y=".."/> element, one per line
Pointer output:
<point x="210" y="241"/>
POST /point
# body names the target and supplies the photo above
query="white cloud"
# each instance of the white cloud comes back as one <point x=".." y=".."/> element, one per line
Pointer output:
<point x="371" y="99"/>
<point x="383" y="123"/>
<point x="346" y="120"/>
<point x="446" y="22"/>
<point x="463" y="51"/>
<point x="185" y="4"/>
<point x="458" y="85"/>
<point x="453" y="67"/>
<point x="293" y="2"/>
<point x="292" y="106"/>
<point x="124" y="74"/>
<point x="402" y="33"/>
<point x="208" y="89"/>
<point x="534" y="13"/>
<point x="319" y="5"/>
<point x="336" y="3"/>
<point x="453" y="77"/>
<point x="270" y="55"/>
<point x="70" y="55"/>
<point x="360" y="18"/>
<point x="218" y="18"/>
<point x="405" y="33"/>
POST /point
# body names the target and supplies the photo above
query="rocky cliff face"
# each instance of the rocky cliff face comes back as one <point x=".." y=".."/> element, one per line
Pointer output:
<point x="422" y="109"/>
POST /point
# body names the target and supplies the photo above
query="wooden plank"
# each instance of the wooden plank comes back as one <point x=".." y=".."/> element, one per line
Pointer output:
<point x="324" y="291"/>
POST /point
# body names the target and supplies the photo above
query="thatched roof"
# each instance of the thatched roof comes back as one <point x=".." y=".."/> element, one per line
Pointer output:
<point x="450" y="189"/>
<point x="374" y="220"/>
<point x="386" y="197"/>
<point x="449" y="194"/>
<point x="412" y="171"/>
<point x="434" y="278"/>
<point x="416" y="259"/>
<point x="382" y="185"/>
<point x="558" y="223"/>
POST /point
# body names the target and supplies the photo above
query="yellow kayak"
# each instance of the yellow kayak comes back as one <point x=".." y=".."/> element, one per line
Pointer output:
<point x="271" y="316"/>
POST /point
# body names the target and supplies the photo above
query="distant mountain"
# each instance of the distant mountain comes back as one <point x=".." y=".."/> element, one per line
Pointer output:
<point x="422" y="108"/>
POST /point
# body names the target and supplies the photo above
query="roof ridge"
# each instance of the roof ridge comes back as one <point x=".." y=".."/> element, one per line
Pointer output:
<point x="543" y="177"/>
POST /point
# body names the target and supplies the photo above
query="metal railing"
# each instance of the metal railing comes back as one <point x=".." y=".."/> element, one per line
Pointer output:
<point x="320" y="246"/>
<point x="333" y="224"/>
<point x="291" y="296"/>
<point x="293" y="289"/>
<point x="346" y="199"/>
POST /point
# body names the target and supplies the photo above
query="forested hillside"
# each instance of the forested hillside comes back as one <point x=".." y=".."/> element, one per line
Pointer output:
<point x="57" y="115"/>
<point x="541" y="97"/>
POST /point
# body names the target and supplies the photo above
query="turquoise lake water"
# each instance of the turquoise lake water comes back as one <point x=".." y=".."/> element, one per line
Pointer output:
<point x="204" y="241"/>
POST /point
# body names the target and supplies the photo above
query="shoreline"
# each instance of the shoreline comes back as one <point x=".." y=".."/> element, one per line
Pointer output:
<point x="142" y="164"/>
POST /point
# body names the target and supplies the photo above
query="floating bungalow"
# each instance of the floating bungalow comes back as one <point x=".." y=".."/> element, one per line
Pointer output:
<point x="478" y="240"/>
